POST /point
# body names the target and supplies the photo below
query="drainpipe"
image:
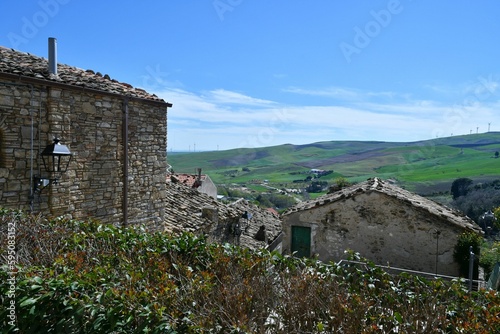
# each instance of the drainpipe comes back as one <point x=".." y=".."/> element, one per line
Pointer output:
<point x="125" y="161"/>
<point x="32" y="139"/>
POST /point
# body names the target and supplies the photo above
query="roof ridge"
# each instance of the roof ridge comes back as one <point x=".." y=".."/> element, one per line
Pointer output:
<point x="23" y="64"/>
<point x="377" y="185"/>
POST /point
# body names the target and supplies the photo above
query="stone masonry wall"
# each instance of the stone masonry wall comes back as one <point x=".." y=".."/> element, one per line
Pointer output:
<point x="91" y="125"/>
<point x="382" y="229"/>
<point x="148" y="163"/>
<point x="17" y="105"/>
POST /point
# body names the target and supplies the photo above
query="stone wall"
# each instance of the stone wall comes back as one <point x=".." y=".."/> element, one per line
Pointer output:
<point x="91" y="125"/>
<point x="381" y="228"/>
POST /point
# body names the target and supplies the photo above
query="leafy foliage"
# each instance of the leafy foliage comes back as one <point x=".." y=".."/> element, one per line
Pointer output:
<point x="490" y="255"/>
<point x="460" y="187"/>
<point x="274" y="200"/>
<point x="106" y="279"/>
<point x="339" y="183"/>
<point x="461" y="253"/>
<point x="479" y="198"/>
<point x="317" y="186"/>
<point x="496" y="212"/>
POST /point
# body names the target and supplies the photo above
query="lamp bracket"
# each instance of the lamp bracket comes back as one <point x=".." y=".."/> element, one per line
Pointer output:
<point x="40" y="183"/>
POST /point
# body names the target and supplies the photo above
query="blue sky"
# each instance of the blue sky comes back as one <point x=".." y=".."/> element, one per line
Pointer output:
<point x="253" y="73"/>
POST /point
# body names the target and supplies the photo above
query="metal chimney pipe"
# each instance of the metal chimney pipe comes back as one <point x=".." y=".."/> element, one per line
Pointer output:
<point x="52" y="55"/>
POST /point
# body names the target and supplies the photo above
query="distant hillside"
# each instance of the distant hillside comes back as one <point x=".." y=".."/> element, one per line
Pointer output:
<point x="423" y="166"/>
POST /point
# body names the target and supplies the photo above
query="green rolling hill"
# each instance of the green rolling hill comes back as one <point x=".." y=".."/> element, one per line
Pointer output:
<point x="424" y="166"/>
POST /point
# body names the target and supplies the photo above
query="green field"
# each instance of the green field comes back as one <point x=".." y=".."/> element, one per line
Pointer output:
<point x="424" y="166"/>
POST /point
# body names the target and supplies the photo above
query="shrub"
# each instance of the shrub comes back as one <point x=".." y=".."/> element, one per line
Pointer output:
<point x="106" y="279"/>
<point x="461" y="252"/>
<point x="490" y="255"/>
<point x="460" y="187"/>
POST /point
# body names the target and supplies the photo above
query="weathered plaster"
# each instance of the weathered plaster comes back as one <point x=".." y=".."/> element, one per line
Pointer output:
<point x="386" y="225"/>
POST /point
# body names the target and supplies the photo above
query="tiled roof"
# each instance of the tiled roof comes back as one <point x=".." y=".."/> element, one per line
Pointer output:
<point x="26" y="65"/>
<point x="377" y="185"/>
<point x="184" y="210"/>
<point x="185" y="213"/>
<point x="273" y="212"/>
<point x="187" y="179"/>
<point x="259" y="217"/>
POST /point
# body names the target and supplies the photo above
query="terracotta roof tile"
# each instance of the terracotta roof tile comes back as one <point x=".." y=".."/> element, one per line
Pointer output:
<point x="186" y="179"/>
<point x="27" y="65"/>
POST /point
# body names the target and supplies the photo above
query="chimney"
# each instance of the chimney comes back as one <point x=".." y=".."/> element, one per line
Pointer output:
<point x="197" y="182"/>
<point x="52" y="55"/>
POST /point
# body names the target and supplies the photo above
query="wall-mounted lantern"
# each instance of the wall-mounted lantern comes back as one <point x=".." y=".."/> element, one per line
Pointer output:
<point x="56" y="158"/>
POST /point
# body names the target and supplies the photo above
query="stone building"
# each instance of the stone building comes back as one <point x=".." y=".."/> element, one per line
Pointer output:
<point x="202" y="182"/>
<point x="240" y="223"/>
<point x="384" y="223"/>
<point x="115" y="132"/>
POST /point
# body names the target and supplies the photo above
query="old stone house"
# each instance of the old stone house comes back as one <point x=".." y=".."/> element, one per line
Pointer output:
<point x="240" y="223"/>
<point x="115" y="132"/>
<point x="384" y="223"/>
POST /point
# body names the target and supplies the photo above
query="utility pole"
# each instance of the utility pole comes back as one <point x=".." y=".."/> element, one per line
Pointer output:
<point x="489" y="126"/>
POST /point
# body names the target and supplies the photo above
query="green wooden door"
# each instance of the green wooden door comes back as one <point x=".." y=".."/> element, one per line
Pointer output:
<point x="301" y="241"/>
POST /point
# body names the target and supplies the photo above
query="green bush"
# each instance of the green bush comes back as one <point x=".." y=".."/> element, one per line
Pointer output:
<point x="461" y="252"/>
<point x="105" y="279"/>
<point x="490" y="255"/>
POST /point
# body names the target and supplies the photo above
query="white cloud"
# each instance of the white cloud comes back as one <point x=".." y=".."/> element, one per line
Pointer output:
<point x="225" y="96"/>
<point x="340" y="93"/>
<point x="225" y="119"/>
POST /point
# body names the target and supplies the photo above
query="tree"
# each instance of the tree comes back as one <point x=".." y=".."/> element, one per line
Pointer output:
<point x="479" y="199"/>
<point x="490" y="255"/>
<point x="497" y="154"/>
<point x="339" y="183"/>
<point x="460" y="187"/>
<point x="316" y="186"/>
<point x="461" y="254"/>
<point x="496" y="212"/>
